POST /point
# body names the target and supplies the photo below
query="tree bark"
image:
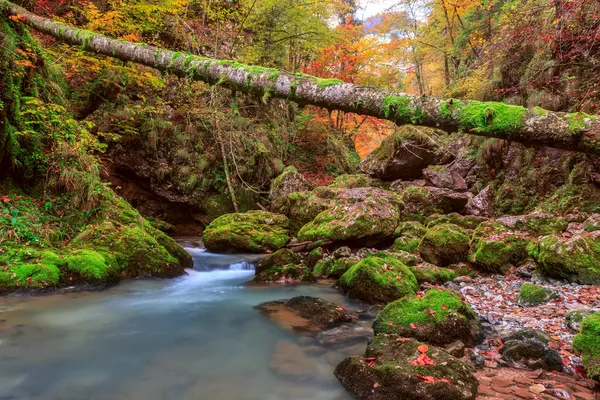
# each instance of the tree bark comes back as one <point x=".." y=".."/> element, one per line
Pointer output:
<point x="576" y="131"/>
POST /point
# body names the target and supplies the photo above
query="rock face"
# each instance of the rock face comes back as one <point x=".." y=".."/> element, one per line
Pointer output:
<point x="444" y="245"/>
<point x="378" y="280"/>
<point x="495" y="248"/>
<point x="254" y="231"/>
<point x="576" y="258"/>
<point x="290" y="181"/>
<point x="307" y="313"/>
<point x="440" y="318"/>
<point x="483" y="204"/>
<point x="588" y="344"/>
<point x="403" y="155"/>
<point x="530" y="348"/>
<point x="445" y="178"/>
<point x="390" y="370"/>
<point x="423" y="201"/>
<point x="363" y="213"/>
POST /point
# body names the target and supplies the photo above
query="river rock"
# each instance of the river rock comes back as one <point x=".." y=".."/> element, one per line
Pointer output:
<point x="444" y="245"/>
<point x="574" y="318"/>
<point x="531" y="348"/>
<point x="306" y="313"/>
<point x="495" y="247"/>
<point x="404" y="154"/>
<point x="280" y="258"/>
<point x="254" y="231"/>
<point x="290" y="181"/>
<point x="439" y="317"/>
<point x="290" y="361"/>
<point x="390" y="370"/>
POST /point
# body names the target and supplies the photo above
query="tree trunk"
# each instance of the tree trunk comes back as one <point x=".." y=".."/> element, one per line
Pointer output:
<point x="577" y="132"/>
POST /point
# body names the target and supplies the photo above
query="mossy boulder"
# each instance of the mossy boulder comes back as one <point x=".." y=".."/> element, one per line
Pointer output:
<point x="290" y="273"/>
<point x="592" y="223"/>
<point x="335" y="268"/>
<point x="389" y="370"/>
<point x="404" y="154"/>
<point x="574" y="318"/>
<point x="305" y="206"/>
<point x="27" y="267"/>
<point x="314" y="257"/>
<point x="279" y="258"/>
<point x="423" y="201"/>
<point x="444" y="245"/>
<point x="576" y="259"/>
<point x="347" y="181"/>
<point x="464" y="221"/>
<point x="364" y="214"/>
<point x="92" y="266"/>
<point x="495" y="248"/>
<point x="537" y="224"/>
<point x="254" y="231"/>
<point x="429" y="273"/>
<point x="439" y="317"/>
<point x="408" y="236"/>
<point x="378" y="280"/>
<point x="290" y="181"/>
<point x="531" y="348"/>
<point x="533" y="295"/>
<point x="587" y="343"/>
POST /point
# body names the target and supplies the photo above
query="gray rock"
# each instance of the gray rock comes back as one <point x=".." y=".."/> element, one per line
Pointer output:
<point x="530" y="348"/>
<point x="482" y="204"/>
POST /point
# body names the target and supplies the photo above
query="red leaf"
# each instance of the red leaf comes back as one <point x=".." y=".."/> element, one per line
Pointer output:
<point x="432" y="379"/>
<point x="413" y="326"/>
<point x="431" y="312"/>
<point x="444" y="307"/>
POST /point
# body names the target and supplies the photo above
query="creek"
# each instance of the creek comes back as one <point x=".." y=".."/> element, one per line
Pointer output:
<point x="194" y="337"/>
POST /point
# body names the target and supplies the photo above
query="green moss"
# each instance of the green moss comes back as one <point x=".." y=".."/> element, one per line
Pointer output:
<point x="495" y="249"/>
<point x="439" y="317"/>
<point x="451" y="108"/>
<point x="588" y="344"/>
<point x="464" y="221"/>
<point x="577" y="121"/>
<point x="254" y="231"/>
<point x="90" y="265"/>
<point x="429" y="273"/>
<point x="444" y="244"/>
<point x="290" y="273"/>
<point x="539" y="111"/>
<point x="378" y="280"/>
<point x="491" y="117"/>
<point x="399" y="109"/>
<point x="323" y="83"/>
<point x="531" y="294"/>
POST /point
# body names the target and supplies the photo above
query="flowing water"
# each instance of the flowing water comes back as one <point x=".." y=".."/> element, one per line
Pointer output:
<point x="194" y="337"/>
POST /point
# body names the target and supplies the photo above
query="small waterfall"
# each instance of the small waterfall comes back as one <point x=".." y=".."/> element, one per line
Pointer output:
<point x="206" y="261"/>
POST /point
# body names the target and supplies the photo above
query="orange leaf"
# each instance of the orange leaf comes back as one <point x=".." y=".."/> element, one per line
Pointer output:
<point x="413" y="326"/>
<point x="423" y="348"/>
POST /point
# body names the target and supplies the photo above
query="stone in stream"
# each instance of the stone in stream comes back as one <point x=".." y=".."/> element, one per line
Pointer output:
<point x="393" y="369"/>
<point x="439" y="317"/>
<point x="289" y="360"/>
<point x="306" y="313"/>
<point x="254" y="231"/>
<point x="378" y="279"/>
<point x="531" y="349"/>
<point x="280" y="258"/>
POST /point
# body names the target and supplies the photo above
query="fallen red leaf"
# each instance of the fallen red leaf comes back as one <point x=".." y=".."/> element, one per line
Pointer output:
<point x="413" y="326"/>
<point x="432" y="379"/>
<point x="431" y="312"/>
<point x="423" y="348"/>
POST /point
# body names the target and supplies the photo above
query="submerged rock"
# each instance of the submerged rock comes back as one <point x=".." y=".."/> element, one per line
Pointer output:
<point x="254" y="231"/>
<point x="391" y="370"/>
<point x="531" y="349"/>
<point x="378" y="280"/>
<point x="439" y="317"/>
<point x="306" y="313"/>
<point x="404" y="154"/>
<point x="575" y="258"/>
<point x="588" y="344"/>
<point x="444" y="245"/>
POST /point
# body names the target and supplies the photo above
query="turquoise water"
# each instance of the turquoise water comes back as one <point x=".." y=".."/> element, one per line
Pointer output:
<point x="194" y="337"/>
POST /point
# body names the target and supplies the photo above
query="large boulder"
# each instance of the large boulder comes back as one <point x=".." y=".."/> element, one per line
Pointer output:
<point x="394" y="369"/>
<point x="408" y="236"/>
<point x="444" y="177"/>
<point x="429" y="273"/>
<point x="423" y="201"/>
<point x="254" y="231"/>
<point x="575" y="258"/>
<point x="290" y="181"/>
<point x="536" y="224"/>
<point x="347" y="181"/>
<point x="495" y="248"/>
<point x="278" y="259"/>
<point x="444" y="245"/>
<point x="531" y="348"/>
<point x="588" y="344"/>
<point x="365" y="214"/>
<point x="378" y="280"/>
<point x="303" y="207"/>
<point x="464" y="221"/>
<point x="404" y="154"/>
<point x="439" y="317"/>
<point x="482" y="204"/>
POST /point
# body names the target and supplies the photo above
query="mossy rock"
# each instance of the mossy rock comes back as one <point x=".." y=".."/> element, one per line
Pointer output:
<point x="495" y="248"/>
<point x="305" y="206"/>
<point x="576" y="259"/>
<point x="92" y="266"/>
<point x="533" y="295"/>
<point x="531" y="348"/>
<point x="429" y="273"/>
<point x="444" y="245"/>
<point x="587" y="343"/>
<point x="291" y="273"/>
<point x="254" y="231"/>
<point x="388" y="371"/>
<point x="408" y="236"/>
<point x="421" y="202"/>
<point x="314" y="257"/>
<point x="537" y="224"/>
<point x="439" y="317"/>
<point x="592" y="223"/>
<point x="28" y="268"/>
<point x="347" y="181"/>
<point x="464" y="221"/>
<point x="378" y="280"/>
<point x="184" y="258"/>
<point x="574" y="318"/>
<point x="359" y="214"/>
<point x="278" y="259"/>
<point x="290" y="181"/>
